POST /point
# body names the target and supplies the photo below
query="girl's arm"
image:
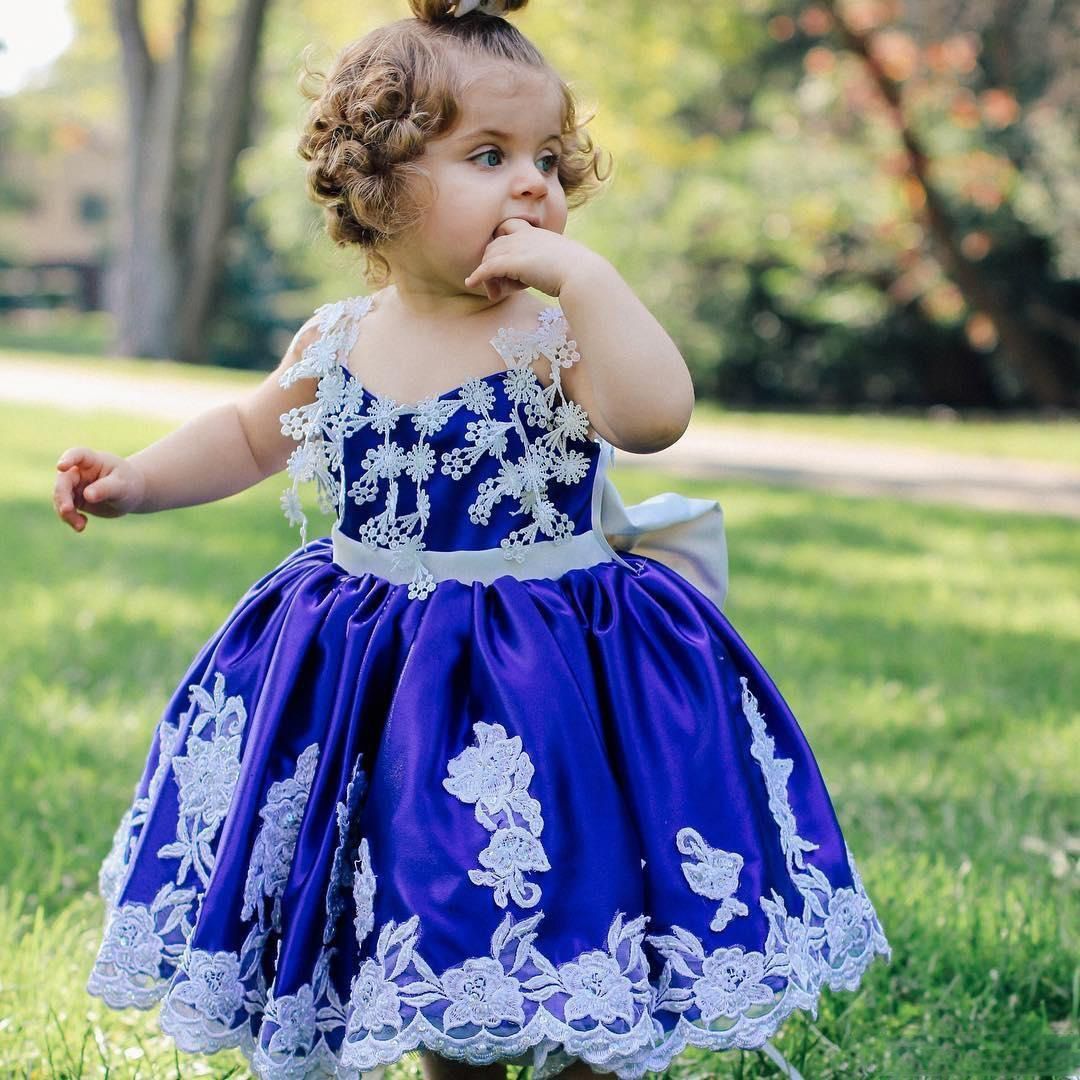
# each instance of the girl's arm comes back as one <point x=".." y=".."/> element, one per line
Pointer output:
<point x="634" y="383"/>
<point x="222" y="451"/>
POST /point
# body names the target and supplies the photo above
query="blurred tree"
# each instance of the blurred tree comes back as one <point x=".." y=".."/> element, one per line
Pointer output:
<point x="764" y="202"/>
<point x="247" y="326"/>
<point x="172" y="252"/>
<point x="1037" y="341"/>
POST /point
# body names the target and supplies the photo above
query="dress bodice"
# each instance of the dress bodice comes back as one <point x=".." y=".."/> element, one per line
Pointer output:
<point x="503" y="461"/>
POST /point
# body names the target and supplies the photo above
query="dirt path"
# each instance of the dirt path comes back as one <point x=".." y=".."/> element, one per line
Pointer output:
<point x="708" y="450"/>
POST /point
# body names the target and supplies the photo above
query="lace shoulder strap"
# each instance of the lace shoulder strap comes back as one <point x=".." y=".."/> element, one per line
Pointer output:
<point x="521" y="348"/>
<point x="314" y="425"/>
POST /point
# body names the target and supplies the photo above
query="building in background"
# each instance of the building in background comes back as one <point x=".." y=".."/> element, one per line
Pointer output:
<point x="57" y="214"/>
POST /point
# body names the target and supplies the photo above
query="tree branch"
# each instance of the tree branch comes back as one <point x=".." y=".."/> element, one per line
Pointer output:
<point x="1025" y="350"/>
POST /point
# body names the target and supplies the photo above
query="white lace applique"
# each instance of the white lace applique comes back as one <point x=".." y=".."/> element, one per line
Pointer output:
<point x="206" y="774"/>
<point x="342" y="871"/>
<point x="141" y="940"/>
<point x="599" y="1006"/>
<point x="272" y="855"/>
<point x="492" y="992"/>
<point x="315" y="425"/>
<point x="494" y="776"/>
<point x="211" y="1005"/>
<point x="715" y="875"/>
<point x="752" y="991"/>
<point x="363" y="894"/>
<point x="127" y="970"/>
<point x="113" y="871"/>
<point x="338" y="412"/>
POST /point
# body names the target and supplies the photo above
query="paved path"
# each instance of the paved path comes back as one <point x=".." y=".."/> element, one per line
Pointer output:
<point x="709" y="450"/>
<point x="853" y="467"/>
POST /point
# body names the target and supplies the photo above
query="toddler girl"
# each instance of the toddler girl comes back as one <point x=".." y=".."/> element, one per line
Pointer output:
<point x="484" y="773"/>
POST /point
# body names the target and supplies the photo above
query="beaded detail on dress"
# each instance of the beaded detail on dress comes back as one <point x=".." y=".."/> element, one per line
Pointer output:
<point x="532" y="444"/>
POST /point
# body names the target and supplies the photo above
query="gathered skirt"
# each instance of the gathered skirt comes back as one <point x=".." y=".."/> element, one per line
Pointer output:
<point x="532" y="821"/>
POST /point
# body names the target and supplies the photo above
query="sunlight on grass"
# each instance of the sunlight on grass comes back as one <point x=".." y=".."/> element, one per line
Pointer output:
<point x="928" y="652"/>
<point x="1050" y="439"/>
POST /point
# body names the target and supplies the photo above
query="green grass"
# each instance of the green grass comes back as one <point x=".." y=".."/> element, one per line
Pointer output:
<point x="1052" y="440"/>
<point x="929" y="652"/>
<point x="62" y="331"/>
<point x="1047" y="440"/>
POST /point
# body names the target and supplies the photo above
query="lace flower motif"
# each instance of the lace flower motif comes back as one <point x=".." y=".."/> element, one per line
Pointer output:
<point x="751" y="991"/>
<point x="494" y="776"/>
<point x="275" y="845"/>
<point x="363" y="894"/>
<point x="599" y="1005"/>
<point x="316" y="425"/>
<point x="206" y="773"/>
<point x="715" y="875"/>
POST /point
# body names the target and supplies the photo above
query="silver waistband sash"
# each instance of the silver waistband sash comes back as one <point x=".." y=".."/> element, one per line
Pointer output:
<point x="543" y="559"/>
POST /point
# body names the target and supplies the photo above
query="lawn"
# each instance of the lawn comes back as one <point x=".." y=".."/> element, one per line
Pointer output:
<point x="930" y="653"/>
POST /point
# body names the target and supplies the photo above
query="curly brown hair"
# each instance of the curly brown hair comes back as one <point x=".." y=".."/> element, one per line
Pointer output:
<point x="386" y="96"/>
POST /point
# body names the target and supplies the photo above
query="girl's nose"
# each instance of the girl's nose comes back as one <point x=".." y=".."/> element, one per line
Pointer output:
<point x="530" y="180"/>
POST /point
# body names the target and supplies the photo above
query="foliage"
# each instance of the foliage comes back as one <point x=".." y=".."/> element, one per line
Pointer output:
<point x="763" y="204"/>
<point x="246" y="325"/>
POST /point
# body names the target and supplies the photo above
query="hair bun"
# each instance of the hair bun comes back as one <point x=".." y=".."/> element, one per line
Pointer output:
<point x="438" y="10"/>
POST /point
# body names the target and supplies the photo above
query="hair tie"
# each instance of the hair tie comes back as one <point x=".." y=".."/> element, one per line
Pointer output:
<point x="488" y="7"/>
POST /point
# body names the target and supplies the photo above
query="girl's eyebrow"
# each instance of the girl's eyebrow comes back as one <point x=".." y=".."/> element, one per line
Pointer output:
<point x="503" y="135"/>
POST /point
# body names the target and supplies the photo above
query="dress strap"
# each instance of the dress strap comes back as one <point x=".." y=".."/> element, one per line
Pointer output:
<point x="521" y="348"/>
<point x="315" y="424"/>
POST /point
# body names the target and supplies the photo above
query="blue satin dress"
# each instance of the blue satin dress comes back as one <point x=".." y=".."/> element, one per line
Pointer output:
<point x="485" y="772"/>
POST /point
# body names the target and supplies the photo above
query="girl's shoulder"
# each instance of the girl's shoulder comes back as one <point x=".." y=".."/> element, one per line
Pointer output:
<point x="323" y="339"/>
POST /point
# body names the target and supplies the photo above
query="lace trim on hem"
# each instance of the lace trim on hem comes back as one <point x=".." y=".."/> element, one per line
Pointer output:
<point x="545" y="1053"/>
<point x="719" y="998"/>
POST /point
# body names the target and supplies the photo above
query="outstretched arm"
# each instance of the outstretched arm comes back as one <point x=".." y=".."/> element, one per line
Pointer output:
<point x="222" y="451"/>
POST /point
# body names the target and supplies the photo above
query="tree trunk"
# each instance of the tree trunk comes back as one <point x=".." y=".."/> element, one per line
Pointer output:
<point x="161" y="282"/>
<point x="144" y="286"/>
<point x="226" y="136"/>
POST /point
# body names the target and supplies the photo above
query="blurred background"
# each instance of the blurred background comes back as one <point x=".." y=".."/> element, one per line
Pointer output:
<point x="860" y="221"/>
<point x="861" y="206"/>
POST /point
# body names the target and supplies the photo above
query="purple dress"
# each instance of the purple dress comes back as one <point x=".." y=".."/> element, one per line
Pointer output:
<point x="486" y="771"/>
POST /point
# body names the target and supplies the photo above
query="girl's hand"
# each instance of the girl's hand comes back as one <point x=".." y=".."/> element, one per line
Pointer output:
<point x="521" y="255"/>
<point x="97" y="483"/>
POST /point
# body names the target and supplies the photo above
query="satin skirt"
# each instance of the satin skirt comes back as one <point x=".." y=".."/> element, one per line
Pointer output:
<point x="534" y="821"/>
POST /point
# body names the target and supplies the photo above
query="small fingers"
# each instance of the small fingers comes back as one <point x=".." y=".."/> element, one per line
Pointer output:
<point x="64" y="500"/>
<point x="476" y="276"/>
<point x="75" y="455"/>
<point x="101" y="489"/>
<point x="489" y="268"/>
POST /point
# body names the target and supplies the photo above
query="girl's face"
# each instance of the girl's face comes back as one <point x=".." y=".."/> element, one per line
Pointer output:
<point x="499" y="161"/>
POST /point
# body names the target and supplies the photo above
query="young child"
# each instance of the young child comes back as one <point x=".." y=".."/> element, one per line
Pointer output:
<point x="485" y="773"/>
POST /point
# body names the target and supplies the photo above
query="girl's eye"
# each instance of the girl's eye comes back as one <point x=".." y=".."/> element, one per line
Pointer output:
<point x="551" y="161"/>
